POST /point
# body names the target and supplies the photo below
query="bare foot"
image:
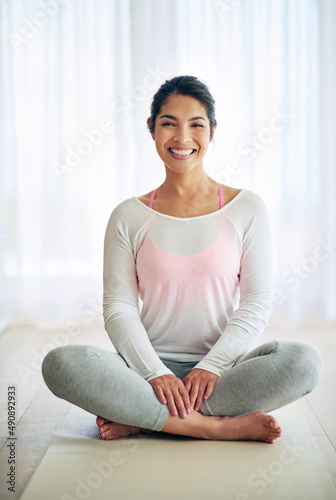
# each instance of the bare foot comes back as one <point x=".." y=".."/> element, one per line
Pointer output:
<point x="113" y="430"/>
<point x="256" y="426"/>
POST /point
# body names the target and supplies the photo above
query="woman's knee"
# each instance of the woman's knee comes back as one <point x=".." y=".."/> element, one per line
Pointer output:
<point x="313" y="359"/>
<point x="65" y="364"/>
<point x="59" y="365"/>
<point x="52" y="365"/>
<point x="308" y="360"/>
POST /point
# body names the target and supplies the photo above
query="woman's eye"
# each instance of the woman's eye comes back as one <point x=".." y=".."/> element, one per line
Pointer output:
<point x="171" y="124"/>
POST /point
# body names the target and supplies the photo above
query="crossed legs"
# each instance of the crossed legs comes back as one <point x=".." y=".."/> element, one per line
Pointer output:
<point x="270" y="376"/>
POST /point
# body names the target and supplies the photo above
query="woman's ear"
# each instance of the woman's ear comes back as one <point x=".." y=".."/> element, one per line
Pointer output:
<point x="150" y="127"/>
<point x="212" y="131"/>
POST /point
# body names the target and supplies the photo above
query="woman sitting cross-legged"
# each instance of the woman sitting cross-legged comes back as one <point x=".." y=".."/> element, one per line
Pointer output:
<point x="198" y="254"/>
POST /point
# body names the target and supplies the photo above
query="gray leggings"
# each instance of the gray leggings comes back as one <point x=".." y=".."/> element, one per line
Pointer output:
<point x="99" y="381"/>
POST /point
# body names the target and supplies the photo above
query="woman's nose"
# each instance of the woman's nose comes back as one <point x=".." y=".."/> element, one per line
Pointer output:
<point x="182" y="135"/>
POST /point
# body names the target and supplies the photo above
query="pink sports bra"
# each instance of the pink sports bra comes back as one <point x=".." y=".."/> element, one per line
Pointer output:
<point x="177" y="281"/>
<point x="220" y="192"/>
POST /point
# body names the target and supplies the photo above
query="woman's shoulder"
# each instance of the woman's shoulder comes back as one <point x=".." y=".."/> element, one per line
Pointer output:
<point x="127" y="220"/>
<point x="247" y="208"/>
<point x="125" y="205"/>
<point x="128" y="211"/>
<point x="242" y="198"/>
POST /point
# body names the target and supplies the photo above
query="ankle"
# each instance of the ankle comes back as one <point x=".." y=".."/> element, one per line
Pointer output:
<point x="212" y="427"/>
<point x="195" y="425"/>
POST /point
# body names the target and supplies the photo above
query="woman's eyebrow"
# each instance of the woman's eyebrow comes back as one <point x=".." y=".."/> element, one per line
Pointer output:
<point x="169" y="116"/>
<point x="197" y="118"/>
<point x="190" y="119"/>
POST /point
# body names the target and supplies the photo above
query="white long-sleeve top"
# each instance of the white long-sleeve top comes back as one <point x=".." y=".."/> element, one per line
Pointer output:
<point x="204" y="284"/>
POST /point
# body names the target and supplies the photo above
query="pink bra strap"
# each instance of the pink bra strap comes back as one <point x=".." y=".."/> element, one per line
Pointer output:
<point x="151" y="199"/>
<point x="221" y="195"/>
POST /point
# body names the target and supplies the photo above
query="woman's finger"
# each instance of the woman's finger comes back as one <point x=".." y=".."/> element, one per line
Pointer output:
<point x="160" y="394"/>
<point x="199" y="397"/>
<point x="186" y="398"/>
<point x="180" y="404"/>
<point x="171" y="404"/>
<point x="193" y="394"/>
<point x="187" y="385"/>
<point x="209" y="389"/>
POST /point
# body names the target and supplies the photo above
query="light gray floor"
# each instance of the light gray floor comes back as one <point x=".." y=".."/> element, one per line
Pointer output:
<point x="39" y="413"/>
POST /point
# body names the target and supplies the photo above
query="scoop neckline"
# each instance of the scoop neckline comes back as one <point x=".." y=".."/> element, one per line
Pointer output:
<point x="197" y="217"/>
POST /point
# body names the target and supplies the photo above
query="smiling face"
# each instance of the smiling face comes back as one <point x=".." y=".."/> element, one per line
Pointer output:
<point x="182" y="133"/>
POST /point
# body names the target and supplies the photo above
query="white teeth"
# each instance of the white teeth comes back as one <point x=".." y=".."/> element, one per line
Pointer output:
<point x="181" y="152"/>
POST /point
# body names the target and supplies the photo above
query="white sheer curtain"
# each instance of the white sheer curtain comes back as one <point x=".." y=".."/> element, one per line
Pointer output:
<point x="77" y="77"/>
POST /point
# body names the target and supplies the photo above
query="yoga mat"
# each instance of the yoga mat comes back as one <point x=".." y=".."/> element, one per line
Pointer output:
<point x="79" y="465"/>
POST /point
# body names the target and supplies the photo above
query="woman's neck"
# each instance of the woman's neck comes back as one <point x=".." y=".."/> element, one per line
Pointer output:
<point x="188" y="185"/>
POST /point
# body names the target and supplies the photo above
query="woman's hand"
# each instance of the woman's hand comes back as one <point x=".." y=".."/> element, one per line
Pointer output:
<point x="200" y="385"/>
<point x="170" y="389"/>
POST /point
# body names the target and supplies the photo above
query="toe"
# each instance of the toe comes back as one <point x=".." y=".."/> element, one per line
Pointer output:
<point x="101" y="421"/>
<point x="110" y="434"/>
<point x="112" y="437"/>
<point x="274" y="423"/>
<point x="103" y="428"/>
